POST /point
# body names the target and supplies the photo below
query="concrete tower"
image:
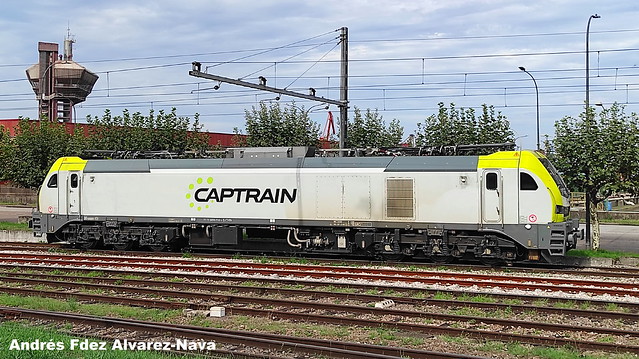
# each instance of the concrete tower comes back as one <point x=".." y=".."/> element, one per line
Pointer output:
<point x="59" y="82"/>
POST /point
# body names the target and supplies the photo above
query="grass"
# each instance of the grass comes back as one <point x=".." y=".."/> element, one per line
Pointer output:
<point x="528" y="351"/>
<point x="21" y="333"/>
<point x="380" y="336"/>
<point x="629" y="222"/>
<point x="12" y="226"/>
<point x="602" y="253"/>
<point x="337" y="289"/>
<point x="443" y="296"/>
<point x="569" y="304"/>
<point x="95" y="274"/>
<point x="100" y="310"/>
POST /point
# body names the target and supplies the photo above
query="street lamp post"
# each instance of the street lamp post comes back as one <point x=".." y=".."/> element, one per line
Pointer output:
<point x="595" y="16"/>
<point x="537" y="92"/>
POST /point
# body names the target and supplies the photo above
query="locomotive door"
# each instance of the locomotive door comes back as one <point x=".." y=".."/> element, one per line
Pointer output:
<point x="73" y="193"/>
<point x="492" y="200"/>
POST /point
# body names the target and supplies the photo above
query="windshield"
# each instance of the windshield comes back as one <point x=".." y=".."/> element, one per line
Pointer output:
<point x="563" y="189"/>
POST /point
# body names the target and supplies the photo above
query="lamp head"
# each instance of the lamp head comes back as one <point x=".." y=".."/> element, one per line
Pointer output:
<point x="522" y="68"/>
<point x="595" y="16"/>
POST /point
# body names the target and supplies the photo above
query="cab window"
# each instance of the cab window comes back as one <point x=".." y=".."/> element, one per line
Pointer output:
<point x="491" y="181"/>
<point x="527" y="182"/>
<point x="53" y="181"/>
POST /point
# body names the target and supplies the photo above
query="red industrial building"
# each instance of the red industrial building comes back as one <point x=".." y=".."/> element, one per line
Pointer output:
<point x="215" y="138"/>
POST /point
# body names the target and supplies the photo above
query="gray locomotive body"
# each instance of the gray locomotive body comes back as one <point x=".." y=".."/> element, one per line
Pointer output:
<point x="508" y="206"/>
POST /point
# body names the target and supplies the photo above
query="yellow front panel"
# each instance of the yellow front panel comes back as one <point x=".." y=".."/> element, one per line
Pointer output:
<point x="68" y="164"/>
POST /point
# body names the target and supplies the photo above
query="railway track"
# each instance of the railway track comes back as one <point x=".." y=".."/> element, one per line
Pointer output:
<point x="617" y="272"/>
<point x="156" y="289"/>
<point x="526" y="283"/>
<point x="261" y="340"/>
<point x="322" y="286"/>
<point x="154" y="286"/>
<point x="290" y="310"/>
<point x="127" y="291"/>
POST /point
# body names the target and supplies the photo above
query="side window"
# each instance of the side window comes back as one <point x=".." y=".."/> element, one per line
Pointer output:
<point x="491" y="181"/>
<point x="74" y="180"/>
<point x="53" y="181"/>
<point x="527" y="183"/>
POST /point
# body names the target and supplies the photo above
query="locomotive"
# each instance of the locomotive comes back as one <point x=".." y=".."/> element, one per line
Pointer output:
<point x="508" y="206"/>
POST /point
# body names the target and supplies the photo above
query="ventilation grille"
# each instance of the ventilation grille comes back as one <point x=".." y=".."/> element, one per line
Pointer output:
<point x="399" y="197"/>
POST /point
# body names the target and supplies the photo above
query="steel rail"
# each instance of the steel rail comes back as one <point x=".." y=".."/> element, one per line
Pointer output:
<point x="315" y="283"/>
<point x="431" y="329"/>
<point x="620" y="272"/>
<point x="592" y="287"/>
<point x="217" y="264"/>
<point x="331" y="319"/>
<point x="293" y="304"/>
<point x="261" y="340"/>
<point x="54" y="279"/>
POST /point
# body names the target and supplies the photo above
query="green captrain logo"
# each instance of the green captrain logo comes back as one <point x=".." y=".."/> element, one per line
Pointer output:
<point x="189" y="195"/>
<point x="202" y="194"/>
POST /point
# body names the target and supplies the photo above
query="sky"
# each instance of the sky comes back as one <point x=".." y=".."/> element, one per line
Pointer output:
<point x="405" y="56"/>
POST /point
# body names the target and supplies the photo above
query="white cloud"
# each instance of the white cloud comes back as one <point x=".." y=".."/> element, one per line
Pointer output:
<point x="462" y="34"/>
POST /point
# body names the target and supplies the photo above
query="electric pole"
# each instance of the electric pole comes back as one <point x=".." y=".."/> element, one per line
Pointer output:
<point x="196" y="71"/>
<point x="343" y="92"/>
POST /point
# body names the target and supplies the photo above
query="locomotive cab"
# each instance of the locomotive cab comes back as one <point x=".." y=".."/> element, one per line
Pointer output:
<point x="59" y="197"/>
<point x="526" y="196"/>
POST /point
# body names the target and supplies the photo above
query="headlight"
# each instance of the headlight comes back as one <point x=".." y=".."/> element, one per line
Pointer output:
<point x="565" y="210"/>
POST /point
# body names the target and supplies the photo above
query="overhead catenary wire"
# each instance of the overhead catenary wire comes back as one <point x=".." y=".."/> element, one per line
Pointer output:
<point x="354" y="41"/>
<point x="475" y="80"/>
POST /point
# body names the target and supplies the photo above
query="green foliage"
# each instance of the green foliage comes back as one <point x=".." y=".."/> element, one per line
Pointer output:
<point x="12" y="226"/>
<point x="602" y="253"/>
<point x="26" y="159"/>
<point x="453" y="126"/>
<point x="598" y="154"/>
<point x="273" y="125"/>
<point x="155" y="132"/>
<point x="370" y="130"/>
<point x="28" y="332"/>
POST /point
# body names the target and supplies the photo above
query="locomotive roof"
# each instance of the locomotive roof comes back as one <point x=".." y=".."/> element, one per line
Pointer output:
<point x="390" y="164"/>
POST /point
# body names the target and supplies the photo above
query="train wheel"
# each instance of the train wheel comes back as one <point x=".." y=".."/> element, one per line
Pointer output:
<point x="123" y="246"/>
<point x="442" y="259"/>
<point x="89" y="244"/>
<point x="492" y="261"/>
<point x="158" y="247"/>
<point x="393" y="257"/>
<point x="52" y="238"/>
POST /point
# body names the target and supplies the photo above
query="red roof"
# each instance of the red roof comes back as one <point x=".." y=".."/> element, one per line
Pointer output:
<point x="215" y="138"/>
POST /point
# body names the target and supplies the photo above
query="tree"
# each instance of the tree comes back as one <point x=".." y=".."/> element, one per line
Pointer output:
<point x="155" y="132"/>
<point x="273" y="125"/>
<point x="28" y="156"/>
<point x="598" y="154"/>
<point x="453" y="126"/>
<point x="370" y="130"/>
